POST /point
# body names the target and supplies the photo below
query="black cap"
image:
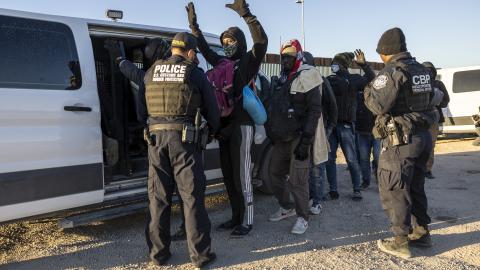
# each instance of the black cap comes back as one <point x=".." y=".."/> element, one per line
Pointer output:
<point x="185" y="41"/>
<point x="392" y="42"/>
<point x="344" y="59"/>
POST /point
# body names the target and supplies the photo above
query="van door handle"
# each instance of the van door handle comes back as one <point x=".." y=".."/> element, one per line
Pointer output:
<point x="77" y="109"/>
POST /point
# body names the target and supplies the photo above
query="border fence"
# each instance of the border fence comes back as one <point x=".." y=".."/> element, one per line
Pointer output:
<point x="271" y="65"/>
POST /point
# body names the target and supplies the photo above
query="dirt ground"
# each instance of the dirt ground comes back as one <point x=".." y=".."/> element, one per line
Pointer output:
<point x="343" y="236"/>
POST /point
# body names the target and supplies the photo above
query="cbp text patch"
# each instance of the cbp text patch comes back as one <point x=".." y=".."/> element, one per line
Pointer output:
<point x="169" y="73"/>
<point x="380" y="82"/>
<point x="421" y="83"/>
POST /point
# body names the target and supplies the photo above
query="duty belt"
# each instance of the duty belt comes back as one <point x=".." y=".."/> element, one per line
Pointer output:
<point x="170" y="126"/>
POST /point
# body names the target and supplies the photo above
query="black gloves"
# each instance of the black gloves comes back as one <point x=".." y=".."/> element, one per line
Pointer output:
<point x="239" y="6"/>
<point x="360" y="57"/>
<point x="192" y="16"/>
<point x="113" y="48"/>
<point x="303" y="148"/>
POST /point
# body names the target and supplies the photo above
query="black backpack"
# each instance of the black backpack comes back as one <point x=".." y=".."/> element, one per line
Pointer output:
<point x="282" y="124"/>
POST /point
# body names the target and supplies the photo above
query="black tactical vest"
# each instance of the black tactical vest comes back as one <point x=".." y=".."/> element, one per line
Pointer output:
<point x="169" y="91"/>
<point x="414" y="96"/>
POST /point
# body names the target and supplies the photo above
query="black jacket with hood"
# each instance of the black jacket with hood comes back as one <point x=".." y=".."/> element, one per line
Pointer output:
<point x="248" y="63"/>
<point x="347" y="102"/>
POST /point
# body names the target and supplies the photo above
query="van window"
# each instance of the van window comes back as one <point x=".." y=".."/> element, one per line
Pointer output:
<point x="466" y="81"/>
<point x="37" y="55"/>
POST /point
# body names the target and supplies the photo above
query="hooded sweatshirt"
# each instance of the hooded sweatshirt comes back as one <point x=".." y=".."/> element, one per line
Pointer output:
<point x="248" y="62"/>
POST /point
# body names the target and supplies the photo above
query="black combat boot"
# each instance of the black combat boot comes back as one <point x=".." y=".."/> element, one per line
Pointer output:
<point x="397" y="247"/>
<point x="420" y="237"/>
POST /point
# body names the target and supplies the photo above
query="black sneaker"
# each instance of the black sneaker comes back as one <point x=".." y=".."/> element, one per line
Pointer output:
<point x="227" y="225"/>
<point x="180" y="234"/>
<point x="240" y="231"/>
<point x="211" y="258"/>
<point x="429" y="175"/>
<point x="333" y="195"/>
<point x="162" y="260"/>
<point x="364" y="185"/>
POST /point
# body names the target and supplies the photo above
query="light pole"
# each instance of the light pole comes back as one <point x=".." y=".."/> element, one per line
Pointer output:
<point x="302" y="2"/>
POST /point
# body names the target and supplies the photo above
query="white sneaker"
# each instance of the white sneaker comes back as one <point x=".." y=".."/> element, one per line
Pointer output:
<point x="282" y="214"/>
<point x="315" y="209"/>
<point x="300" y="226"/>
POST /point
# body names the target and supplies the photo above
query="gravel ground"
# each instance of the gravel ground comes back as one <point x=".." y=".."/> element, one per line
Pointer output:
<point x="342" y="237"/>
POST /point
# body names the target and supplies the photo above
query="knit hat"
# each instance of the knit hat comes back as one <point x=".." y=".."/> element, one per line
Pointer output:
<point x="290" y="51"/>
<point x="392" y="42"/>
<point x="344" y="59"/>
<point x="308" y="59"/>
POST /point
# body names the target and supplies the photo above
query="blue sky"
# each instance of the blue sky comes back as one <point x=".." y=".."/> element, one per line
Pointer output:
<point x="444" y="32"/>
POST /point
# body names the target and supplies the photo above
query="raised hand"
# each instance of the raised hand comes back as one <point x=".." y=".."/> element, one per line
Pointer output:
<point x="360" y="57"/>
<point x="192" y="16"/>
<point x="239" y="6"/>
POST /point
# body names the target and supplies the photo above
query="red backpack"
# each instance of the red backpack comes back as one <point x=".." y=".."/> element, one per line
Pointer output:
<point x="221" y="77"/>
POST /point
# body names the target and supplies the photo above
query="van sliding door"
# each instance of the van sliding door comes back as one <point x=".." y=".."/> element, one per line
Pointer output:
<point x="50" y="136"/>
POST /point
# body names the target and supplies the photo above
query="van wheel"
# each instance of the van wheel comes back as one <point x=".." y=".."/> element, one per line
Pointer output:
<point x="266" y="185"/>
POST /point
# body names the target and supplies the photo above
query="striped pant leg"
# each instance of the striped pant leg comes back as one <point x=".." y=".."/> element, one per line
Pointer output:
<point x="245" y="167"/>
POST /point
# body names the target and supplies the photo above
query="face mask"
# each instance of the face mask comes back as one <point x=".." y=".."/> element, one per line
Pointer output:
<point x="230" y="50"/>
<point x="335" y="68"/>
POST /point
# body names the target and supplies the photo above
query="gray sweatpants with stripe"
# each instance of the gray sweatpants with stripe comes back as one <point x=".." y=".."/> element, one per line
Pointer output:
<point x="236" y="162"/>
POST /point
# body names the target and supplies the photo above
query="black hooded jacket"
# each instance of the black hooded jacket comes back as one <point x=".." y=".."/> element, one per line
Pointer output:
<point x="248" y="62"/>
<point x="346" y="96"/>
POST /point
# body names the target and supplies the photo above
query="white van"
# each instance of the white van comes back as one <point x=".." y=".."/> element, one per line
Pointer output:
<point x="463" y="85"/>
<point x="69" y="136"/>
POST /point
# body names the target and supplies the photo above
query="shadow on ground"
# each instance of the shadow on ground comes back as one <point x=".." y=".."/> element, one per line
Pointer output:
<point x="120" y="243"/>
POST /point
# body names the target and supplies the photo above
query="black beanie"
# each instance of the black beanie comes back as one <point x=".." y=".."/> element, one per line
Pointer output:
<point x="392" y="42"/>
<point x="308" y="59"/>
<point x="344" y="59"/>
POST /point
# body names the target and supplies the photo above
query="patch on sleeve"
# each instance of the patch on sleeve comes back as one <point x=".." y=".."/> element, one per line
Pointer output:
<point x="380" y="82"/>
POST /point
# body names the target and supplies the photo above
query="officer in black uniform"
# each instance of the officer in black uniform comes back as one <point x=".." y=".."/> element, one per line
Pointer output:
<point x="400" y="96"/>
<point x="175" y="90"/>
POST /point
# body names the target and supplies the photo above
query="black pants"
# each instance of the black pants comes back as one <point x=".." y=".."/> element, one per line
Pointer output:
<point x="401" y="180"/>
<point x="173" y="162"/>
<point x="235" y="155"/>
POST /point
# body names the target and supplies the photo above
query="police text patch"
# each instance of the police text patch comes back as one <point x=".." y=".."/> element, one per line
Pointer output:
<point x="380" y="82"/>
<point x="169" y="73"/>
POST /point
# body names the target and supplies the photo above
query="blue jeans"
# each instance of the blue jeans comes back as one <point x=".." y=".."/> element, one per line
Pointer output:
<point x="316" y="182"/>
<point x="343" y="134"/>
<point x="366" y="144"/>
